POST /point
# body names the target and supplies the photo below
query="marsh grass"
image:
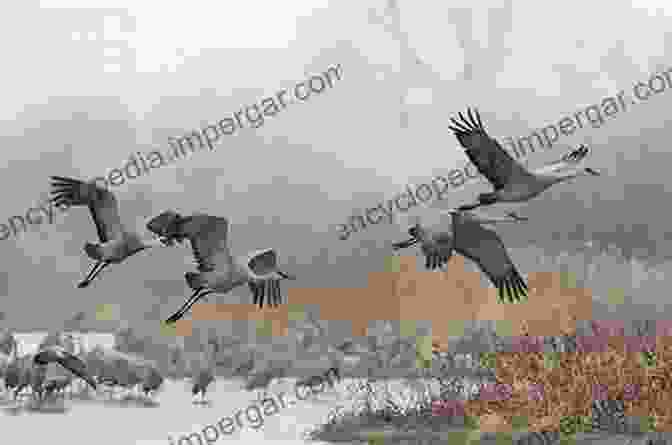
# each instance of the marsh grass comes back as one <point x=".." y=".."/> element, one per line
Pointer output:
<point x="562" y="378"/>
<point x="387" y="409"/>
<point x="394" y="410"/>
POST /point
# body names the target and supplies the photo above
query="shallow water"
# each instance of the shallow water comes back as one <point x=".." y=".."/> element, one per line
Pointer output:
<point x="102" y="422"/>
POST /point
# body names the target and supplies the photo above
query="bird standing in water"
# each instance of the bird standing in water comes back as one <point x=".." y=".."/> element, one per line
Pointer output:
<point x="58" y="354"/>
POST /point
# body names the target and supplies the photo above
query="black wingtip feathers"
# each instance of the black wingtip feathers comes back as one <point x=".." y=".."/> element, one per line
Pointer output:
<point x="466" y="125"/>
<point x="512" y="288"/>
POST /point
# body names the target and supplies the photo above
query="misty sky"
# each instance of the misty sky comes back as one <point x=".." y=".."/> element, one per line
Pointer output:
<point x="85" y="87"/>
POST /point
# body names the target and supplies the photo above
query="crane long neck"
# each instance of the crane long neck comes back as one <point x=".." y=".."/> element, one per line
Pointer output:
<point x="420" y="233"/>
<point x="550" y="179"/>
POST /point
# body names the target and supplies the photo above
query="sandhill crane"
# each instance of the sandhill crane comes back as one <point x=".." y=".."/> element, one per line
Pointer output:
<point x="511" y="181"/>
<point x="65" y="341"/>
<point x="56" y="384"/>
<point x="201" y="379"/>
<point x="109" y="384"/>
<point x="18" y="371"/>
<point x="8" y="343"/>
<point x="466" y="236"/>
<point x="19" y="374"/>
<point x="8" y="351"/>
<point x="116" y="242"/>
<point x="219" y="272"/>
<point x="261" y="379"/>
<point x="151" y="382"/>
<point x="245" y="366"/>
<point x="202" y="368"/>
<point x="126" y="370"/>
<point x="22" y="373"/>
<point x="58" y="354"/>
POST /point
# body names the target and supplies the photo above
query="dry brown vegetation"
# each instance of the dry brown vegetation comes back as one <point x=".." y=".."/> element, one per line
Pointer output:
<point x="568" y="388"/>
<point x="458" y="295"/>
<point x="551" y="310"/>
<point x="454" y="295"/>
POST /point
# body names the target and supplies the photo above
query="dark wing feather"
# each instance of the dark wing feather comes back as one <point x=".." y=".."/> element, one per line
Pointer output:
<point x="264" y="288"/>
<point x="490" y="159"/>
<point x="101" y="202"/>
<point x="7" y="342"/>
<point x="69" y="361"/>
<point x="257" y="290"/>
<point x="437" y="250"/>
<point x="209" y="240"/>
<point x="485" y="248"/>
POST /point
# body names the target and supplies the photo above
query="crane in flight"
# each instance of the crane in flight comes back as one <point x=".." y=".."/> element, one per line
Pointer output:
<point x="218" y="270"/>
<point x="511" y="181"/>
<point x="117" y="243"/>
<point x="466" y="235"/>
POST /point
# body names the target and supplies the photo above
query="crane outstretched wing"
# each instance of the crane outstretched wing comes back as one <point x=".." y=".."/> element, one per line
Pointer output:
<point x="490" y="159"/>
<point x="101" y="202"/>
<point x="72" y="363"/>
<point x="208" y="235"/>
<point x="485" y="248"/>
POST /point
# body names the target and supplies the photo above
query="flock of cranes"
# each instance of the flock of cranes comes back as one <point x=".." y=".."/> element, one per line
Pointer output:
<point x="512" y="183"/>
<point x="30" y="371"/>
<point x="100" y="368"/>
<point x="105" y="370"/>
<point x="218" y="271"/>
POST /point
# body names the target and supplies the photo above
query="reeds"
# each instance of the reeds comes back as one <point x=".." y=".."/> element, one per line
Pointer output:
<point x="554" y="390"/>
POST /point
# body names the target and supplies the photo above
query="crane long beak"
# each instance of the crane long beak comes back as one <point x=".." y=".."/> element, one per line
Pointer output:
<point x="516" y="217"/>
<point x="286" y="276"/>
<point x="592" y="171"/>
<point x="404" y="244"/>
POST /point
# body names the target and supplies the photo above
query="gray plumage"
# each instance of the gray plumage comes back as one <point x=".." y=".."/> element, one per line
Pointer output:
<point x="261" y="379"/>
<point x="56" y="384"/>
<point x="201" y="379"/>
<point x="218" y="270"/>
<point x="467" y="236"/>
<point x="117" y="243"/>
<point x="20" y="374"/>
<point x="152" y="381"/>
<point x="57" y="354"/>
<point x="511" y="181"/>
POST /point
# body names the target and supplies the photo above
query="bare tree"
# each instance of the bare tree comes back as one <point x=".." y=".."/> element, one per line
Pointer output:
<point x="412" y="66"/>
